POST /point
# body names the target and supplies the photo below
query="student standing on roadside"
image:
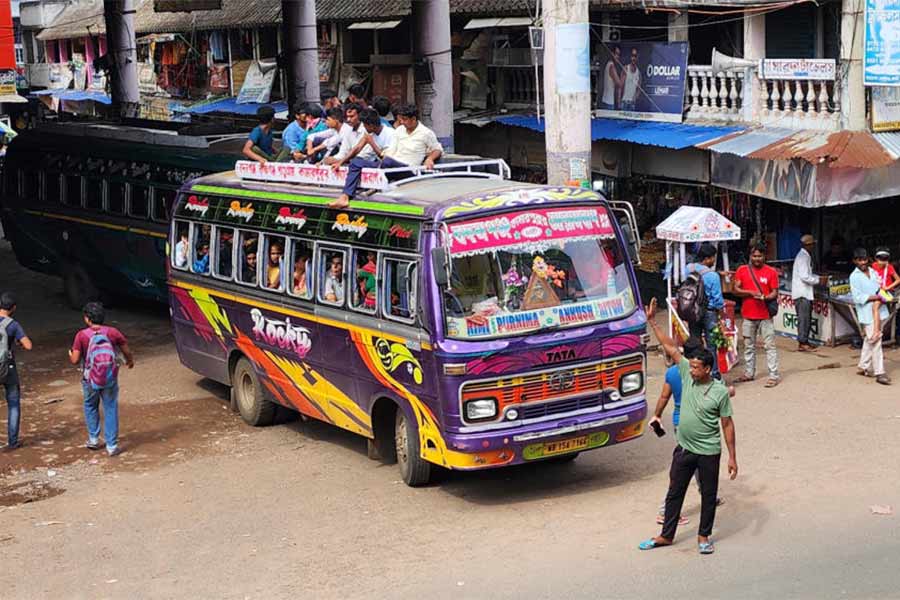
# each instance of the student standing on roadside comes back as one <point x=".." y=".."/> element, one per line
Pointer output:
<point x="11" y="333"/>
<point x="96" y="347"/>
<point x="757" y="284"/>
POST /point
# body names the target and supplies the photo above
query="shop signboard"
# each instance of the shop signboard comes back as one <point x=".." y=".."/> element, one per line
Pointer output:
<point x="573" y="58"/>
<point x="7" y="82"/>
<point x="882" y="43"/>
<point x="825" y="326"/>
<point x="643" y="81"/>
<point x="815" y="69"/>
<point x="257" y="86"/>
<point x="885" y="108"/>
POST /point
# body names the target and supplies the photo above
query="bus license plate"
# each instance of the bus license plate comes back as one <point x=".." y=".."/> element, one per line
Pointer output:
<point x="562" y="446"/>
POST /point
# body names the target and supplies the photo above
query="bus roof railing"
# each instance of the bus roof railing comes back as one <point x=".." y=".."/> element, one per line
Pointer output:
<point x="371" y="179"/>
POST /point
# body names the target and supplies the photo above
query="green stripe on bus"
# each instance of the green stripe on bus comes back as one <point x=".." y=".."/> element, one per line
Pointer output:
<point x="284" y="197"/>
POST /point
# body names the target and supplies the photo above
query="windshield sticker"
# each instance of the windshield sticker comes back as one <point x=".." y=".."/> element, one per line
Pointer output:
<point x="540" y="228"/>
<point x="357" y="226"/>
<point x="286" y="217"/>
<point x="197" y="205"/>
<point x="281" y="334"/>
<point x="399" y="231"/>
<point x="239" y="211"/>
<point x="488" y="321"/>
<point x="520" y="198"/>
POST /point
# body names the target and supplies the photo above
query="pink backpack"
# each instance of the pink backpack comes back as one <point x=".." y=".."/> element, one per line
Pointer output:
<point x="101" y="367"/>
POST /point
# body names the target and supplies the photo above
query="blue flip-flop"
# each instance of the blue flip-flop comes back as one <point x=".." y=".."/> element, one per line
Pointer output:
<point x="649" y="544"/>
<point x="706" y="547"/>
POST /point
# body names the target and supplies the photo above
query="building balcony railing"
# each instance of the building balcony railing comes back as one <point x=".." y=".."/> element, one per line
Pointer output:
<point x="789" y="103"/>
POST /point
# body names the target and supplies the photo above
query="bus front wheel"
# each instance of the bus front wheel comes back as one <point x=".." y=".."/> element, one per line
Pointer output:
<point x="414" y="469"/>
<point x="255" y="409"/>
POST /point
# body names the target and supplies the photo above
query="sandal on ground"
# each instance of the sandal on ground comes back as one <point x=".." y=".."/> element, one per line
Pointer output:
<point x="862" y="372"/>
<point x="720" y="501"/>
<point x="650" y="544"/>
<point x="706" y="547"/>
<point x="772" y="382"/>
<point x="883" y="379"/>
<point x="661" y="520"/>
<point x="743" y="379"/>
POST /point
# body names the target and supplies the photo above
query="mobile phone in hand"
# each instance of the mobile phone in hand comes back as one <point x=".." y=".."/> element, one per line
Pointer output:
<point x="657" y="428"/>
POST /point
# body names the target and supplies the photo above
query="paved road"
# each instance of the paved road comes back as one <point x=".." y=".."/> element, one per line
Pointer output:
<point x="201" y="506"/>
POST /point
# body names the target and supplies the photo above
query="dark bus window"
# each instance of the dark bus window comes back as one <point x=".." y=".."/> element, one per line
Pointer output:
<point x="30" y="185"/>
<point x="140" y="201"/>
<point x="162" y="203"/>
<point x="365" y="277"/>
<point x="73" y="190"/>
<point x="51" y="188"/>
<point x="224" y="253"/>
<point x="115" y="197"/>
<point x="399" y="302"/>
<point x="332" y="276"/>
<point x="93" y="194"/>
<point x="247" y="255"/>
<point x="274" y="268"/>
<point x="301" y="269"/>
<point x="200" y="256"/>
<point x="182" y="245"/>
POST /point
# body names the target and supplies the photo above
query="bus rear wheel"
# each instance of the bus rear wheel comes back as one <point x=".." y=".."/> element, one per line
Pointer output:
<point x="415" y="470"/>
<point x="255" y="409"/>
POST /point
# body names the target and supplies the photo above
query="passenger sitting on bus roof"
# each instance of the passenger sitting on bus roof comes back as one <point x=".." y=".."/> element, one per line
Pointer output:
<point x="328" y="141"/>
<point x="376" y="138"/>
<point x="356" y="94"/>
<point x="248" y="271"/>
<point x="413" y="143"/>
<point x="273" y="268"/>
<point x="329" y="99"/>
<point x="181" y="250"/>
<point x="201" y="263"/>
<point x="259" y="145"/>
<point x="300" y="284"/>
<point x="350" y="133"/>
<point x="306" y="121"/>
<point x="334" y="281"/>
<point x="383" y="107"/>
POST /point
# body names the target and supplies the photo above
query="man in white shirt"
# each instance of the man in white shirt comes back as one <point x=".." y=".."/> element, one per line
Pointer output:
<point x="631" y="82"/>
<point x="376" y="139"/>
<point x="343" y="133"/>
<point x="351" y="133"/>
<point x="413" y="145"/>
<point x="612" y="80"/>
<point x="802" y="281"/>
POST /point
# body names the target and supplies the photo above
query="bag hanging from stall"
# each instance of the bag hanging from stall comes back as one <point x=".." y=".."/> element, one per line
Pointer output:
<point x="690" y="299"/>
<point x="771" y="305"/>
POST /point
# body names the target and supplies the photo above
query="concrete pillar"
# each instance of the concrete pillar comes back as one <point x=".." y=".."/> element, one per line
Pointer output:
<point x="567" y="89"/>
<point x="754" y="36"/>
<point x="122" y="50"/>
<point x="301" y="50"/>
<point x="431" y="22"/>
<point x="678" y="27"/>
<point x="755" y="49"/>
<point x="853" y="94"/>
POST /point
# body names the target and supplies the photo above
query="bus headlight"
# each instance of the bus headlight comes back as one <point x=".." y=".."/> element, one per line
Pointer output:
<point x="631" y="383"/>
<point x="481" y="409"/>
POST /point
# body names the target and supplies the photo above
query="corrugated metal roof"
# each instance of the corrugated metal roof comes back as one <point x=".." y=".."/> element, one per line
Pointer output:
<point x="747" y="142"/>
<point x="651" y="133"/>
<point x="840" y="149"/>
<point x="891" y="142"/>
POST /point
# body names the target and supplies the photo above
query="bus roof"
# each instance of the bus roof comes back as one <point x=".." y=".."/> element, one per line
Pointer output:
<point x="436" y="197"/>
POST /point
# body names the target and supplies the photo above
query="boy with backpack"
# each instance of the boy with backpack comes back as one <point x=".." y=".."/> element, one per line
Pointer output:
<point x="699" y="300"/>
<point x="10" y="334"/>
<point x="97" y="347"/>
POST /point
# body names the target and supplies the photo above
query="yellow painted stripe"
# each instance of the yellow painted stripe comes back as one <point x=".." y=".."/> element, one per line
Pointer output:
<point x="294" y="313"/>
<point x="101" y="224"/>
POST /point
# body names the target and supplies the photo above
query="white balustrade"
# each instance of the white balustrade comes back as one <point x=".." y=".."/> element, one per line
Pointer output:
<point x="714" y="96"/>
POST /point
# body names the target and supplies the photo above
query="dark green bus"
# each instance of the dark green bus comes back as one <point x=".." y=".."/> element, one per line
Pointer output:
<point x="91" y="202"/>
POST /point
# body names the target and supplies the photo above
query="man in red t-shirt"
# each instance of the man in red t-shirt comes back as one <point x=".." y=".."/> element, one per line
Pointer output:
<point x="757" y="283"/>
<point x="94" y="316"/>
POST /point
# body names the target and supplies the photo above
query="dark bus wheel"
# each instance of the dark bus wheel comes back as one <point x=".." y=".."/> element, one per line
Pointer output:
<point x="255" y="409"/>
<point x="78" y="286"/>
<point x="414" y="469"/>
<point x="565" y="458"/>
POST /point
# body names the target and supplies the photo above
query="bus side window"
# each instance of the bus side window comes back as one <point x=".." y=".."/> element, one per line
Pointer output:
<point x="247" y="255"/>
<point x="115" y="197"/>
<point x="332" y="276"/>
<point x="30" y="185"/>
<point x="139" y="201"/>
<point x="162" y="203"/>
<point x="399" y="298"/>
<point x="364" y="296"/>
<point x="181" y="244"/>
<point x="301" y="269"/>
<point x="51" y="188"/>
<point x="200" y="248"/>
<point x="93" y="194"/>
<point x="224" y="253"/>
<point x="73" y="190"/>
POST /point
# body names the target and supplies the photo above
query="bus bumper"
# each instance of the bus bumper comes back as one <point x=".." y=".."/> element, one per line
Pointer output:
<point x="550" y="439"/>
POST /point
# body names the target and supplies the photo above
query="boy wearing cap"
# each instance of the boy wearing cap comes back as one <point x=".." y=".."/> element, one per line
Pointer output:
<point x="865" y="285"/>
<point x="260" y="143"/>
<point x="802" y="281"/>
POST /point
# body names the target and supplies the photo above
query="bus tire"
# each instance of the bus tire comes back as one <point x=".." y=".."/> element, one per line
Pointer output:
<point x="78" y="287"/>
<point x="563" y="459"/>
<point x="415" y="470"/>
<point x="254" y="407"/>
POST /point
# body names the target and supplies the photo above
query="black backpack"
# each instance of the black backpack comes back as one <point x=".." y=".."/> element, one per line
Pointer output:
<point x="5" y="352"/>
<point x="690" y="299"/>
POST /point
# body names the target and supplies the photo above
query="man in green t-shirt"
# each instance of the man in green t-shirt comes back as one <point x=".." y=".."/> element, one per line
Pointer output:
<point x="704" y="404"/>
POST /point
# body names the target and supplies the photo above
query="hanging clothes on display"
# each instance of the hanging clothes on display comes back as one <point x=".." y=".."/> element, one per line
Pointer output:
<point x="217" y="45"/>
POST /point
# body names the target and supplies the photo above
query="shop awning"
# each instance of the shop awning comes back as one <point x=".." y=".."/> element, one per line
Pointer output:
<point x="697" y="224"/>
<point x="228" y="105"/>
<point x="156" y="37"/>
<point x="76" y="95"/>
<point x="374" y="25"/>
<point x="667" y="135"/>
<point x="891" y="142"/>
<point x="499" y="22"/>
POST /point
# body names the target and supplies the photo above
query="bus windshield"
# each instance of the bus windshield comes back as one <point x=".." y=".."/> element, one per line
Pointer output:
<point x="542" y="269"/>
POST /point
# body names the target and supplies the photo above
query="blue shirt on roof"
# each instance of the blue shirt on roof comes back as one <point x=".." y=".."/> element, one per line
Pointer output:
<point x="673" y="378"/>
<point x="261" y="139"/>
<point x="295" y="136"/>
<point x="712" y="284"/>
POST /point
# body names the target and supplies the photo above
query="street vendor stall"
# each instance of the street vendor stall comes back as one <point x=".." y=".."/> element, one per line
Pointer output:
<point x="690" y="225"/>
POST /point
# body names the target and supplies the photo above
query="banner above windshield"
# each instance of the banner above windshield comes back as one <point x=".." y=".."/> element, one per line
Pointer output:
<point x="534" y="229"/>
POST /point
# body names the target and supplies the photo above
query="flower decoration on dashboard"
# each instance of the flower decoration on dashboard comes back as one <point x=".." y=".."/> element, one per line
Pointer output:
<point x="548" y="272"/>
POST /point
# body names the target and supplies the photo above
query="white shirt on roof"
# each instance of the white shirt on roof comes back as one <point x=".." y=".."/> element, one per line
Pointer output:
<point x="383" y="139"/>
<point x="349" y="137"/>
<point x="412" y="148"/>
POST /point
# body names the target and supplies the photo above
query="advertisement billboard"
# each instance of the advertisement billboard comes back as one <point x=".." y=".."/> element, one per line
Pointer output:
<point x="642" y="80"/>
<point x="882" y="43"/>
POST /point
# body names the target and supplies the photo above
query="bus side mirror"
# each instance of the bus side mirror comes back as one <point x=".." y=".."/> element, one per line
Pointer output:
<point x="439" y="263"/>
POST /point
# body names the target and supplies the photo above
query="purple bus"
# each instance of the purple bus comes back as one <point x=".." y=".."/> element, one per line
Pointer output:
<point x="455" y="319"/>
